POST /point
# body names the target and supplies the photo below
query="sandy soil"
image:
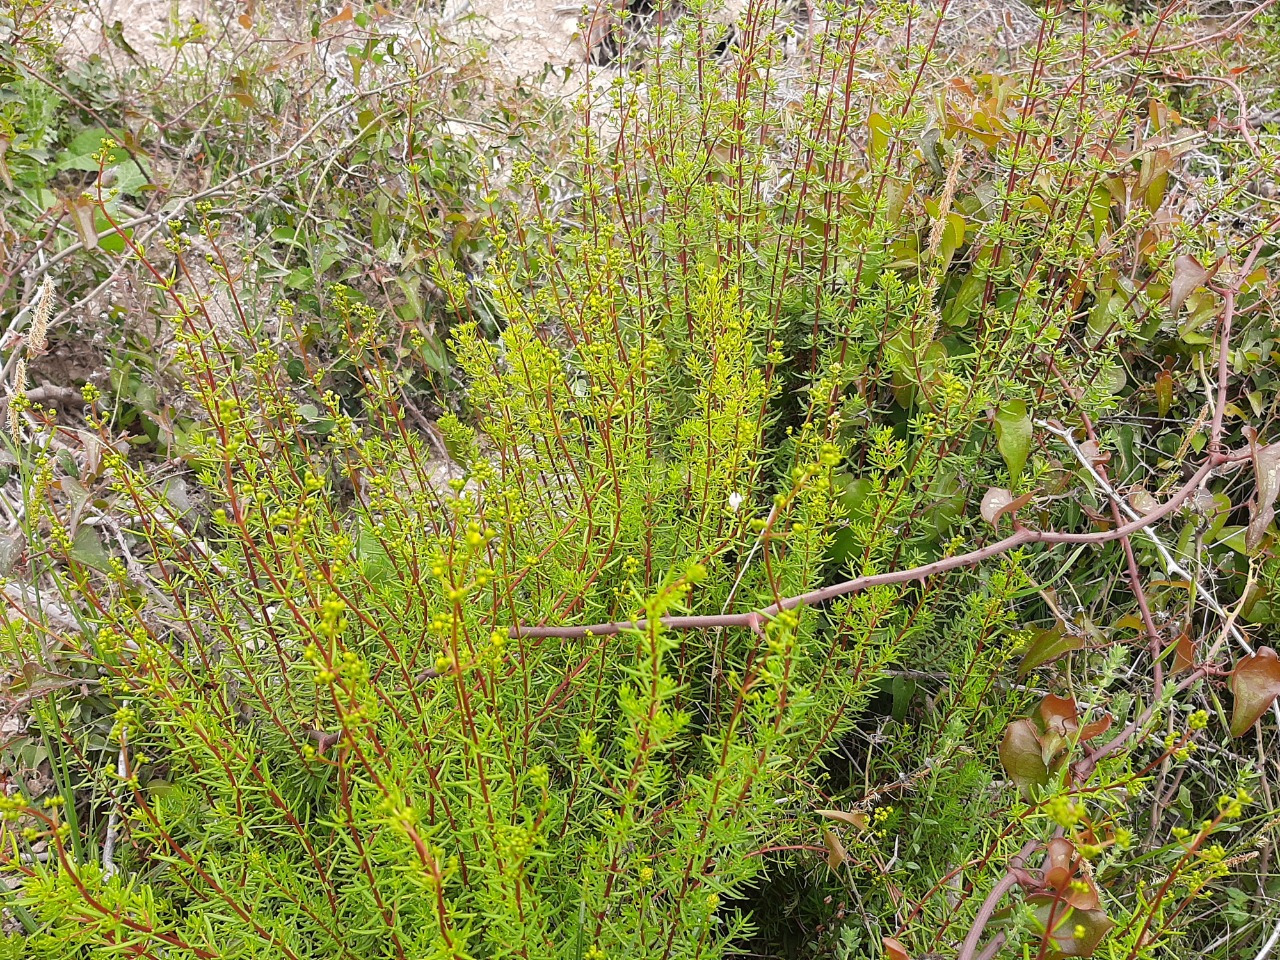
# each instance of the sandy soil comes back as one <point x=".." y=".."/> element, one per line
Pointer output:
<point x="530" y="40"/>
<point x="525" y="36"/>
<point x="144" y="27"/>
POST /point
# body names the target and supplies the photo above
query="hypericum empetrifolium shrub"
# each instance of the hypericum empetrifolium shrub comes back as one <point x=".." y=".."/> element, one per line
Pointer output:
<point x="315" y="692"/>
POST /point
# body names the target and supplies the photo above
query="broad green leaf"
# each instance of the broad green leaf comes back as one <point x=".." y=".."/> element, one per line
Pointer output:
<point x="952" y="238"/>
<point x="1100" y="209"/>
<point x="1164" y="392"/>
<point x="1013" y="435"/>
<point x="375" y="564"/>
<point x="1048" y="645"/>
<point x="86" y="548"/>
<point x="1020" y="755"/>
<point x="879" y="129"/>
<point x="853" y="494"/>
<point x="1075" y="933"/>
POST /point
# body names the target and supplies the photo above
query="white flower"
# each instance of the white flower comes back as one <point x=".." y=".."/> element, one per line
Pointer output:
<point x="735" y="501"/>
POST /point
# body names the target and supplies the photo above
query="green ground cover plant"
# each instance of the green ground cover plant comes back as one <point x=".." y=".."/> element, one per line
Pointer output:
<point x="847" y="529"/>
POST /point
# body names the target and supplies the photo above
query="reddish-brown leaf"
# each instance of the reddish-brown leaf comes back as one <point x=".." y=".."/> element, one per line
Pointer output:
<point x="1059" y="714"/>
<point x="1063" y="872"/>
<point x="1095" y="728"/>
<point x="894" y="950"/>
<point x="1184" y="652"/>
<point x="1255" y="683"/>
<point x="1059" y="865"/>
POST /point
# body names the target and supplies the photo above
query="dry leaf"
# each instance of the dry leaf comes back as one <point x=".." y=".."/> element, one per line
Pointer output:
<point x="1262" y="510"/>
<point x="835" y="849"/>
<point x="1184" y="653"/>
<point x="998" y="501"/>
<point x="1143" y="501"/>
<point x="1187" y="275"/>
<point x="994" y="502"/>
<point x="855" y="818"/>
<point x="1093" y="453"/>
<point x="342" y="16"/>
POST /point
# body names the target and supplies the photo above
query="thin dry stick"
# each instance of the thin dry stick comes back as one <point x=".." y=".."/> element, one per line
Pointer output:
<point x="113" y="819"/>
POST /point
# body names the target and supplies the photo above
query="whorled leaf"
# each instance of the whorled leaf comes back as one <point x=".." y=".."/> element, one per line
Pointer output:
<point x="1255" y="684"/>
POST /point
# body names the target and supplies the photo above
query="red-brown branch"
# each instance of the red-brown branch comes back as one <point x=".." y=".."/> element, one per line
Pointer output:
<point x="1224" y="349"/>
<point x="1006" y="883"/>
<point x="1019" y="538"/>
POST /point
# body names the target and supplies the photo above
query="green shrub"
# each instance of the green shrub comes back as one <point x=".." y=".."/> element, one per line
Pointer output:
<point x="798" y="332"/>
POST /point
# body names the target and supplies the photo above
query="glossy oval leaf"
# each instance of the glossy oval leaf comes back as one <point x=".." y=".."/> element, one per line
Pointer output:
<point x="1048" y="645"/>
<point x="1013" y="435"/>
<point x="1255" y="684"/>
<point x="1020" y="755"/>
